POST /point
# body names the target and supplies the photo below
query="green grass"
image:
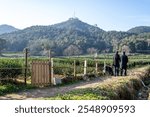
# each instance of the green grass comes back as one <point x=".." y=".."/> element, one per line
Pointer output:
<point x="11" y="87"/>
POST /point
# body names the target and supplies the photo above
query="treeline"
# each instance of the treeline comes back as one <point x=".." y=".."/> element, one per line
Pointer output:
<point x="137" y="43"/>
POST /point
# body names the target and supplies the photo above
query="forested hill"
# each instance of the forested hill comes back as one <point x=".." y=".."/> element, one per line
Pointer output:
<point x="140" y="29"/>
<point x="72" y="37"/>
<point x="7" y="29"/>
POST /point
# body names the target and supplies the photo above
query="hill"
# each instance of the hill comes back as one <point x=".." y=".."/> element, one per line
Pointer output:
<point x="140" y="29"/>
<point x="72" y="34"/>
<point x="7" y="29"/>
<point x="71" y="37"/>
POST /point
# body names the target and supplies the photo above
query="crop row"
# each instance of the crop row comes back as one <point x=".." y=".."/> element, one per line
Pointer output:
<point x="14" y="67"/>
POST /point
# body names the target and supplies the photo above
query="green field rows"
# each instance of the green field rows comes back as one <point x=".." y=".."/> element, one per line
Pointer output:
<point x="13" y="67"/>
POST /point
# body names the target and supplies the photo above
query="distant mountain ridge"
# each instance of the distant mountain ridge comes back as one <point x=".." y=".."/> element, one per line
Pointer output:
<point x="7" y="29"/>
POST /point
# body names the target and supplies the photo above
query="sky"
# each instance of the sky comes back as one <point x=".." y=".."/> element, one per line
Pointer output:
<point x="119" y="15"/>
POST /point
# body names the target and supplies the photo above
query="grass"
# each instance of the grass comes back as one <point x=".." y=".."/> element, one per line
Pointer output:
<point x="120" y="88"/>
<point x="11" y="87"/>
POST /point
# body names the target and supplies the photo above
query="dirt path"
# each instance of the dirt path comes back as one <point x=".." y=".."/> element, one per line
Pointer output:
<point x="51" y="91"/>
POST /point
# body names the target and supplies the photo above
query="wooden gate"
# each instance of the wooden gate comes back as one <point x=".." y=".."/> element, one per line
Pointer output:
<point x="41" y="73"/>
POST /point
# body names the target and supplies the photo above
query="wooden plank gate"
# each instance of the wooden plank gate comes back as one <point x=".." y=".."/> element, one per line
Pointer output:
<point x="41" y="73"/>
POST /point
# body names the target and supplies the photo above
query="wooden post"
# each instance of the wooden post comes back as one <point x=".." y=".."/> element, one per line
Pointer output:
<point x="49" y="55"/>
<point x="52" y="71"/>
<point x="85" y="67"/>
<point x="75" y="69"/>
<point x="96" y="66"/>
<point x="104" y="70"/>
<point x="26" y="66"/>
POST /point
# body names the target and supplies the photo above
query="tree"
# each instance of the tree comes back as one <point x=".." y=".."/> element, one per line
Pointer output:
<point x="2" y="45"/>
<point x="35" y="48"/>
<point x="132" y="48"/>
<point x="141" y="46"/>
<point x="126" y="49"/>
<point x="72" y="50"/>
<point x="91" y="50"/>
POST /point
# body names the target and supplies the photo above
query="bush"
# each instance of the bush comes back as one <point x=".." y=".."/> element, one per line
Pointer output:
<point x="10" y="87"/>
<point x="10" y="68"/>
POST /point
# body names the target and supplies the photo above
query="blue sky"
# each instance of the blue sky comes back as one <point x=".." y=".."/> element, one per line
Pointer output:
<point x="107" y="14"/>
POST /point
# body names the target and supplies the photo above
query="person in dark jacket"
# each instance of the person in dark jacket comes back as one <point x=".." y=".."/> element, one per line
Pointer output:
<point x="116" y="63"/>
<point x="124" y="61"/>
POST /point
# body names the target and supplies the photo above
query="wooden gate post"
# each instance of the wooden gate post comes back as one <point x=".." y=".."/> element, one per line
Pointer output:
<point x="85" y="67"/>
<point x="75" y="69"/>
<point x="52" y="71"/>
<point x="96" y="67"/>
<point x="50" y="67"/>
<point x="26" y="65"/>
<point x="49" y="55"/>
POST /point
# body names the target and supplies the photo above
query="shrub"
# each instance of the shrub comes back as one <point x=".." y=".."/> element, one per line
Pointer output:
<point x="10" y="68"/>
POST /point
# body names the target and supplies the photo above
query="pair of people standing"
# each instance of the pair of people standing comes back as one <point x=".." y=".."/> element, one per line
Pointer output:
<point x="116" y="64"/>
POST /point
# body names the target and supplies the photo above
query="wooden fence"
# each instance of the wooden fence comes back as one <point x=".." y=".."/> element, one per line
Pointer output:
<point x="41" y="73"/>
<point x="74" y="69"/>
